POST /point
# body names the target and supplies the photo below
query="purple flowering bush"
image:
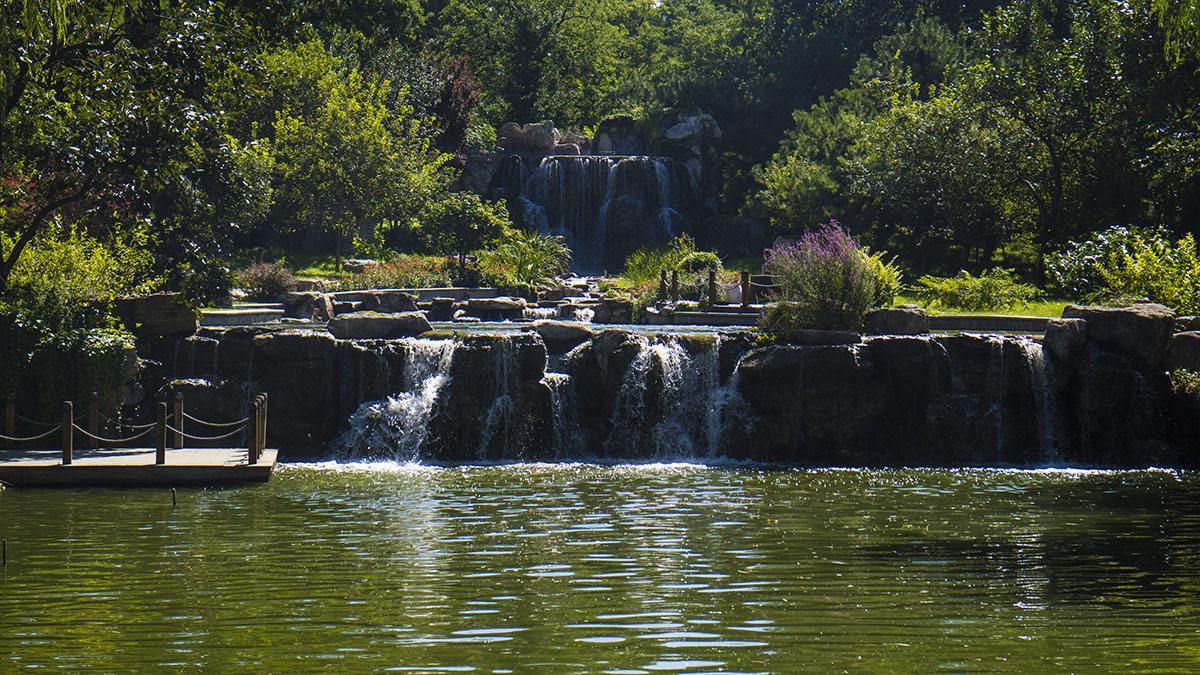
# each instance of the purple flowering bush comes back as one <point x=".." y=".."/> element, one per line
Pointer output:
<point x="825" y="281"/>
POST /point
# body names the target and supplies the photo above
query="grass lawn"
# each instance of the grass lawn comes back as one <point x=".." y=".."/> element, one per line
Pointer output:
<point x="314" y="267"/>
<point x="1048" y="308"/>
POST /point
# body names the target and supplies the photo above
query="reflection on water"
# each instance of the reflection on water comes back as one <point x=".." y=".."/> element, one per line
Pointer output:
<point x="619" y="569"/>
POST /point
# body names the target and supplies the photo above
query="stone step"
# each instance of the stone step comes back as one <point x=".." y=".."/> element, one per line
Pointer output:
<point x="239" y="316"/>
<point x="987" y="323"/>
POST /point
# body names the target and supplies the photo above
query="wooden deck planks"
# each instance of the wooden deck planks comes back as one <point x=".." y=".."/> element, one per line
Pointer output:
<point x="133" y="467"/>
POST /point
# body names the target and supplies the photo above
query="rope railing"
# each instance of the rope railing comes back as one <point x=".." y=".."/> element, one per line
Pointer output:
<point x="31" y="439"/>
<point x="216" y="425"/>
<point x="167" y="430"/>
<point x="205" y="439"/>
<point x="112" y="441"/>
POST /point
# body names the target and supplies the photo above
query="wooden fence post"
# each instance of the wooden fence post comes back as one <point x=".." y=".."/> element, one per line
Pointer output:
<point x="160" y="435"/>
<point x="10" y="418"/>
<point x="94" y="418"/>
<point x="178" y="424"/>
<point x="68" y="433"/>
<point x="252" y="434"/>
<point x="262" y="428"/>
<point x="662" y="285"/>
<point x="674" y="285"/>
<point x="745" y="289"/>
<point x="712" y="288"/>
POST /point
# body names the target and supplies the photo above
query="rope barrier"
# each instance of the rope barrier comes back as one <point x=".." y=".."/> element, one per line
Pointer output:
<point x="216" y="425"/>
<point x="36" y="423"/>
<point x="190" y="437"/>
<point x="111" y="441"/>
<point x="39" y="437"/>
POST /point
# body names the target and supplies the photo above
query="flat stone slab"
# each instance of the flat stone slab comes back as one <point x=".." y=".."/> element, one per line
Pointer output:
<point x="240" y="316"/>
<point x="133" y="467"/>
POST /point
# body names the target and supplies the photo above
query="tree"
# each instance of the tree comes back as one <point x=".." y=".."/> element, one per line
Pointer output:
<point x="344" y="161"/>
<point x="462" y="222"/>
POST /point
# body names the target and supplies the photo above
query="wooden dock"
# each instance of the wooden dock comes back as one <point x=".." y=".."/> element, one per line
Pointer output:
<point x="103" y="462"/>
<point x="134" y="467"/>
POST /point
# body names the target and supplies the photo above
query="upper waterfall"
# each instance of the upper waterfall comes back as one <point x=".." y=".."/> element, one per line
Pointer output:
<point x="606" y="206"/>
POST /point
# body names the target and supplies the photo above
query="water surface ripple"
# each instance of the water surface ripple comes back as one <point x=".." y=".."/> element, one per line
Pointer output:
<point x="619" y="569"/>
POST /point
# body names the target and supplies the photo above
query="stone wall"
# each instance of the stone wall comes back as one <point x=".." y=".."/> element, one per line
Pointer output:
<point x="1094" y="392"/>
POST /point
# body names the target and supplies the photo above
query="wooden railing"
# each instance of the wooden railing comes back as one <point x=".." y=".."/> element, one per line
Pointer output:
<point x="167" y="431"/>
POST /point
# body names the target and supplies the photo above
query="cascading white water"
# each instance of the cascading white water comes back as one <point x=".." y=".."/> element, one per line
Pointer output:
<point x="583" y="314"/>
<point x="500" y="419"/>
<point x="534" y="313"/>
<point x="692" y="405"/>
<point x="607" y="206"/>
<point x="1035" y="356"/>
<point x="568" y="437"/>
<point x="397" y="427"/>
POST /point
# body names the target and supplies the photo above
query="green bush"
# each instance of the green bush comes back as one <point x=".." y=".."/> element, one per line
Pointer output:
<point x="781" y="320"/>
<point x="69" y="282"/>
<point x="1123" y="263"/>
<point x="404" y="271"/>
<point x="993" y="289"/>
<point x="525" y="258"/>
<point x="825" y="278"/>
<point x="889" y="278"/>
<point x="265" y="281"/>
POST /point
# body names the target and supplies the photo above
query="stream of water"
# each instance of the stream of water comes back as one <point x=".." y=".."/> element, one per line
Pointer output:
<point x="621" y="569"/>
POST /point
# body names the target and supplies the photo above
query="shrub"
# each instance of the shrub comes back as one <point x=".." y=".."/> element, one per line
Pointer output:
<point x="889" y="278"/>
<point x="405" y="271"/>
<point x="525" y="258"/>
<point x="993" y="289"/>
<point x="1120" y="263"/>
<point x="781" y="320"/>
<point x="825" y="279"/>
<point x="68" y="282"/>
<point x="265" y="281"/>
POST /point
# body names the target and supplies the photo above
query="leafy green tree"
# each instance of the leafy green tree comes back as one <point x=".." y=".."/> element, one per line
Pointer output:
<point x="461" y="222"/>
<point x="344" y="161"/>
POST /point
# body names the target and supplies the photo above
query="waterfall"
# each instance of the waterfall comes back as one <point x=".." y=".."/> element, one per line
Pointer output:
<point x="568" y="436"/>
<point x="1039" y="366"/>
<point x="672" y="400"/>
<point x="534" y="313"/>
<point x="583" y="314"/>
<point x="398" y="426"/>
<point x="500" y="420"/>
<point x="607" y="206"/>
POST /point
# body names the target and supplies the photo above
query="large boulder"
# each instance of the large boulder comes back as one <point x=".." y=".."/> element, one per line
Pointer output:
<point x="897" y="321"/>
<point x="1065" y="339"/>
<point x="496" y="309"/>
<point x="1142" y="331"/>
<point x="376" y="325"/>
<point x="620" y="136"/>
<point x="813" y="337"/>
<point x="158" y="315"/>
<point x="562" y="336"/>
<point x="1185" y="352"/>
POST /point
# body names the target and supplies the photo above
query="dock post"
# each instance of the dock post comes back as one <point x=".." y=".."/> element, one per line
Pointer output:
<point x="745" y="290"/>
<point x="160" y="435"/>
<point x="68" y="433"/>
<point x="10" y="418"/>
<point x="262" y="428"/>
<point x="662" y="285"/>
<point x="177" y="441"/>
<point x="674" y="285"/>
<point x="712" y="288"/>
<point x="94" y="418"/>
<point x="252" y="433"/>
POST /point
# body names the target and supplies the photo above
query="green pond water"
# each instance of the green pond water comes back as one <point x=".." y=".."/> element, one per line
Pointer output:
<point x="623" y="569"/>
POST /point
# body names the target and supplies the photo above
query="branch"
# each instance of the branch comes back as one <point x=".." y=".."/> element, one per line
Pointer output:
<point x="35" y="225"/>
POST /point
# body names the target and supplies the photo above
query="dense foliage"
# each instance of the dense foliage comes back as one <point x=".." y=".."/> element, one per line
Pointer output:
<point x="826" y="280"/>
<point x="991" y="290"/>
<point x="1123" y="264"/>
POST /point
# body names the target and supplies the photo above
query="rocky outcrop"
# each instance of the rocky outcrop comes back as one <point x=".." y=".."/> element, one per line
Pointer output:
<point x="1086" y="395"/>
<point x="1141" y="331"/>
<point x="561" y="337"/>
<point x="378" y="325"/>
<point x="156" y="316"/>
<point x="897" y="321"/>
<point x="1185" y="352"/>
<point x="496" y="309"/>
